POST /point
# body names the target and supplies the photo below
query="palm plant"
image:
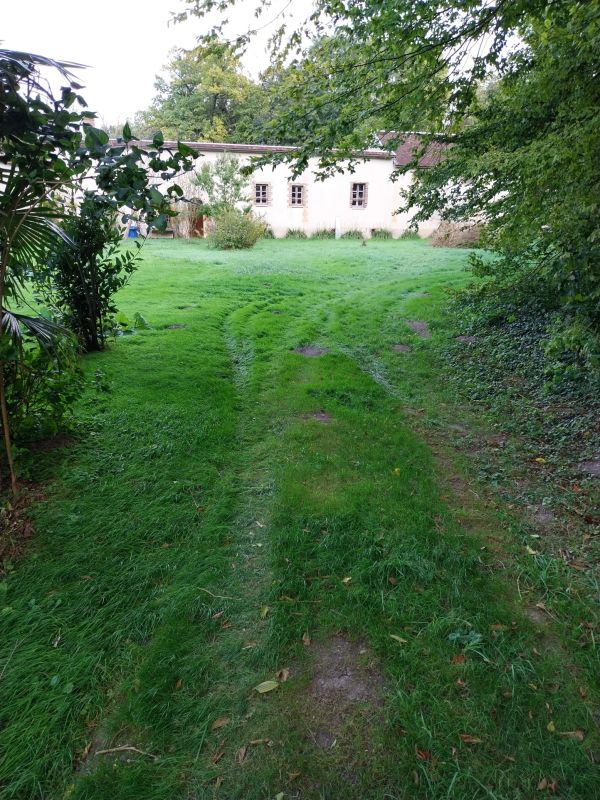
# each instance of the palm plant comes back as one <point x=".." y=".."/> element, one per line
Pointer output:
<point x="34" y="130"/>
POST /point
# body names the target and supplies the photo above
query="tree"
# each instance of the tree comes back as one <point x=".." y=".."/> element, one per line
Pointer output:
<point x="80" y="278"/>
<point x="224" y="183"/>
<point x="204" y="97"/>
<point x="48" y="148"/>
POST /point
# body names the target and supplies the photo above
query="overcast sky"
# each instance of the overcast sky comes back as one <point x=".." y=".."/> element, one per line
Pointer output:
<point x="125" y="43"/>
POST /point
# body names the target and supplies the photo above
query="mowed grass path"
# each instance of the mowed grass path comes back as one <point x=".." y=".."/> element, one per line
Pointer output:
<point x="207" y="533"/>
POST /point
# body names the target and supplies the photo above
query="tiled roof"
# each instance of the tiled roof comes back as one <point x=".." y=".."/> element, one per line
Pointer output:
<point x="251" y="149"/>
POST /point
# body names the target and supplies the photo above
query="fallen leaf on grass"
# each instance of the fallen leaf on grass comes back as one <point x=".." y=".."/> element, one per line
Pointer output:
<point x="241" y="754"/>
<point x="422" y="755"/>
<point x="254" y="742"/>
<point x="217" y="615"/>
<point x="458" y="659"/>
<point x="468" y="739"/>
<point x="293" y="775"/>
<point x="264" y="611"/>
<point x="305" y="639"/>
<point x="540" y="460"/>
<point x="497" y="626"/>
<point x="531" y="551"/>
<point x="398" y="638"/>
<point x="393" y="580"/>
<point x="551" y="726"/>
<point x="546" y="784"/>
<point x="283" y="675"/>
<point x="248" y="645"/>
<point x="346" y="581"/>
<point x="579" y="735"/>
<point x="266" y="686"/>
<point x="178" y="685"/>
<point x="279" y="796"/>
<point x="220" y="723"/>
<point x="218" y="755"/>
<point x="582" y="693"/>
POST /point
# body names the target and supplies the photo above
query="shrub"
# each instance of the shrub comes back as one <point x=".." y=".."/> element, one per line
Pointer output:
<point x="353" y="233"/>
<point x="268" y="231"/>
<point x="324" y="233"/>
<point x="381" y="233"/>
<point x="235" y="230"/>
<point x="41" y="386"/>
<point x="79" y="282"/>
<point x="410" y="235"/>
<point x="295" y="233"/>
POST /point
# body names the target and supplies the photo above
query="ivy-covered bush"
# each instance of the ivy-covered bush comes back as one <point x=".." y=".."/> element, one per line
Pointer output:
<point x="235" y="230"/>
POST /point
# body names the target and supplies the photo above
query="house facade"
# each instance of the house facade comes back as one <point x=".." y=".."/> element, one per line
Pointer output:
<point x="362" y="199"/>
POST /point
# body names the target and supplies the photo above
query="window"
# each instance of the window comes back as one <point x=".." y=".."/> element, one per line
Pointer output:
<point x="261" y="194"/>
<point x="297" y="194"/>
<point x="358" y="195"/>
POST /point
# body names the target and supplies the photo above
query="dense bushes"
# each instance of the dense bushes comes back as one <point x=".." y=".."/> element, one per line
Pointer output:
<point x="235" y="230"/>
<point x="41" y="386"/>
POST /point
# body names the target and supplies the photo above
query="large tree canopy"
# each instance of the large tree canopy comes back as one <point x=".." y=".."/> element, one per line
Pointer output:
<point x="204" y="96"/>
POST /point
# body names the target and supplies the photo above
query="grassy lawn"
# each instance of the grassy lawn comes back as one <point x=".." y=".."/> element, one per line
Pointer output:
<point x="235" y="512"/>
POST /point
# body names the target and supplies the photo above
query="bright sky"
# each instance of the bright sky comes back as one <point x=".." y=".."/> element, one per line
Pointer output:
<point x="125" y="43"/>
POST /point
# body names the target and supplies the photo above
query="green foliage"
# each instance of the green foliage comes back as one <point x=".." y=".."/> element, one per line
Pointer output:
<point x="235" y="230"/>
<point x="48" y="151"/>
<point x="224" y="183"/>
<point x="82" y="276"/>
<point x="409" y="235"/>
<point x="353" y="233"/>
<point x="205" y="96"/>
<point x="295" y="233"/>
<point x="42" y="383"/>
<point x="381" y="233"/>
<point x="324" y="233"/>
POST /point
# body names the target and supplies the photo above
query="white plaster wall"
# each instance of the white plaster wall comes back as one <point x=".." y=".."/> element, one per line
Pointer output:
<point x="329" y="200"/>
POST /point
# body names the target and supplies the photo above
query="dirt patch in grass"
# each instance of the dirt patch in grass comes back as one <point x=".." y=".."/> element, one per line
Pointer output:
<point x="319" y="416"/>
<point x="591" y="467"/>
<point x="346" y="683"/>
<point x="175" y="327"/>
<point x="467" y="339"/>
<point x="401" y="348"/>
<point x="419" y="327"/>
<point x="311" y="352"/>
<point x="16" y="529"/>
<point x="52" y="443"/>
<point x="459" y="429"/>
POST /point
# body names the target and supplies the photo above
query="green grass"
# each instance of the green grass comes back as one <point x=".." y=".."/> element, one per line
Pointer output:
<point x="203" y="524"/>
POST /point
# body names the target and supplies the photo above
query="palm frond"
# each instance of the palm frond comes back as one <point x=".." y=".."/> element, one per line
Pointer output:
<point x="25" y="62"/>
<point x="44" y="330"/>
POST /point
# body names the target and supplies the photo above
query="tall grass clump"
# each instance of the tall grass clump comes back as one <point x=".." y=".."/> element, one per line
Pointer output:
<point x="381" y="233"/>
<point x="295" y="233"/>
